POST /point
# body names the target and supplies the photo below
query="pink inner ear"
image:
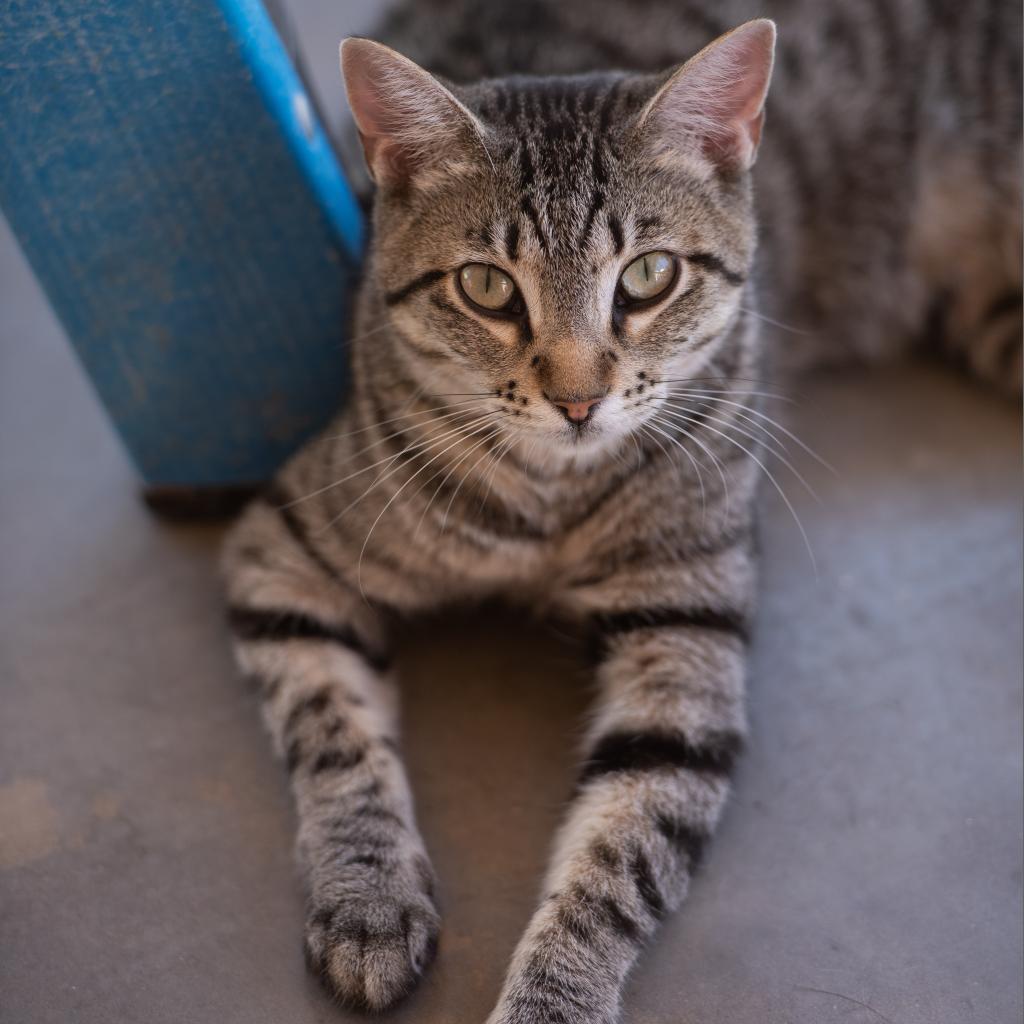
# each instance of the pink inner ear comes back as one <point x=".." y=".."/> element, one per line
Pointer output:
<point x="405" y="117"/>
<point x="377" y="116"/>
<point x="382" y="144"/>
<point x="717" y="99"/>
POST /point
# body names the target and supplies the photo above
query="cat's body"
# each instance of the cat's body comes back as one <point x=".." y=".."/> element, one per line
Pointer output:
<point x="583" y="451"/>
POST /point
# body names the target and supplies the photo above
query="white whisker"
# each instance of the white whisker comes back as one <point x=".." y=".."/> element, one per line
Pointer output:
<point x="689" y="455"/>
<point x="372" y="465"/>
<point x="390" y="471"/>
<point x="395" y="419"/>
<point x="413" y="426"/>
<point x="462" y="458"/>
<point x="723" y="391"/>
<point x="529" y="454"/>
<point x="458" y="487"/>
<point x="493" y="472"/>
<point x="391" y="500"/>
<point x="639" y="452"/>
<point x="782" y="494"/>
<point x="715" y="460"/>
<point x="708" y="418"/>
<point x="777" y="323"/>
<point x="368" y="334"/>
<point x="747" y="412"/>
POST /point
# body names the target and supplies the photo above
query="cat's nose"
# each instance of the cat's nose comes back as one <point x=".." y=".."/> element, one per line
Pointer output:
<point x="576" y="411"/>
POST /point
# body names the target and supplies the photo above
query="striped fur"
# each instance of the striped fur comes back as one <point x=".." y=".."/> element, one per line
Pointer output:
<point x="451" y="476"/>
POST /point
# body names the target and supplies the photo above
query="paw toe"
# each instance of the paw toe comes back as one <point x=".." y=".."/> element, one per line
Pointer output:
<point x="371" y="956"/>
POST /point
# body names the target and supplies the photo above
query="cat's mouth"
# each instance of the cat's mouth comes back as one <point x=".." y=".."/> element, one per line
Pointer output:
<point x="577" y="431"/>
<point x="588" y="439"/>
<point x="588" y="436"/>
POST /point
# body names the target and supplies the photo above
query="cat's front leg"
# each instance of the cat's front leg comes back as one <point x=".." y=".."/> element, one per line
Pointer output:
<point x="317" y="652"/>
<point x="668" y="726"/>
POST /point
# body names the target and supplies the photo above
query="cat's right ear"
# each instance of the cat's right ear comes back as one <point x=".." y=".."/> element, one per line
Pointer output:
<point x="411" y="126"/>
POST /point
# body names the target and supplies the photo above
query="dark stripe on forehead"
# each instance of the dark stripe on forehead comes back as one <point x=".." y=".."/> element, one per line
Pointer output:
<point x="525" y="168"/>
<point x="597" y="162"/>
<point x="551" y="96"/>
<point x="512" y="240"/>
<point x="586" y="98"/>
<point x="595" y="205"/>
<point x="615" y="227"/>
<point x="607" y="107"/>
<point x="515" y="105"/>
<point x="531" y="211"/>
<point x="417" y="284"/>
<point x="711" y="262"/>
<point x="488" y="107"/>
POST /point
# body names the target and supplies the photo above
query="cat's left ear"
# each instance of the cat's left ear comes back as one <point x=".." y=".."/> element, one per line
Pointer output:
<point x="714" y="103"/>
<point x="411" y="126"/>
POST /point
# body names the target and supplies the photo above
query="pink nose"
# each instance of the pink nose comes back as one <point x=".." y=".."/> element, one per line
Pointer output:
<point x="577" y="412"/>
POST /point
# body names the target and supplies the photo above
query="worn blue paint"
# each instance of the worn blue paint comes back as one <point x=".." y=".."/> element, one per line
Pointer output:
<point x="195" y="239"/>
<point x="290" y="104"/>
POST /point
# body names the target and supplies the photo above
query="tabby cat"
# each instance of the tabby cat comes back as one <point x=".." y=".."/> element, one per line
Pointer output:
<point x="553" y="362"/>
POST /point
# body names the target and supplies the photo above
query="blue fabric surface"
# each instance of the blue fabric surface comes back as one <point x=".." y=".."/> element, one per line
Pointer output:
<point x="201" y="278"/>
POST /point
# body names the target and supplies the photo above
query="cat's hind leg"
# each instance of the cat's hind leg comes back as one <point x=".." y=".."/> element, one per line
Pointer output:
<point x="317" y="652"/>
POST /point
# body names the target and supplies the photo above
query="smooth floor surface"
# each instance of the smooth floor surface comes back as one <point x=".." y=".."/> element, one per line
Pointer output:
<point x="868" y="869"/>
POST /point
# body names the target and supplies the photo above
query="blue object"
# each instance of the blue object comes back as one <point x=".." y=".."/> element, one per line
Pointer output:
<point x="175" y="193"/>
<point x="290" y="104"/>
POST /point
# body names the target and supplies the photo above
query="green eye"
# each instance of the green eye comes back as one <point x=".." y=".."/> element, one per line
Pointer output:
<point x="649" y="276"/>
<point x="488" y="287"/>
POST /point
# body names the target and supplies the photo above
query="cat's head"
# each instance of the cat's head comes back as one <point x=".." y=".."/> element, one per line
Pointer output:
<point x="549" y="250"/>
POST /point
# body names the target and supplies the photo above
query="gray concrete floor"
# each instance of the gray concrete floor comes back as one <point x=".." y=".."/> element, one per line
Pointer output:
<point x="868" y="868"/>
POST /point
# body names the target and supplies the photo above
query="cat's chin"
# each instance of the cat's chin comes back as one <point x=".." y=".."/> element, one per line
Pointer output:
<point x="580" y="448"/>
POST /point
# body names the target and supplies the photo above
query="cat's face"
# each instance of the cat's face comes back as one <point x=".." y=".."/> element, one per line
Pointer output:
<point x="556" y="251"/>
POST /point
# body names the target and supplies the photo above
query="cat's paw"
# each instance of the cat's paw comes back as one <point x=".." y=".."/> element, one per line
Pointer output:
<point x="543" y="1014"/>
<point x="370" y="945"/>
<point x="557" y="997"/>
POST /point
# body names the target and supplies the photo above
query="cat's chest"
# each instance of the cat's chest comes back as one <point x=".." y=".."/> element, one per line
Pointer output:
<point x="536" y="533"/>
